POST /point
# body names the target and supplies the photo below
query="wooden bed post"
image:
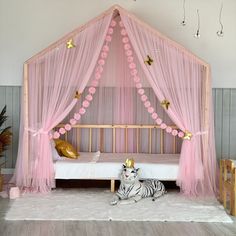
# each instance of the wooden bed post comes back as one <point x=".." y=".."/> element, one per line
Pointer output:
<point x="112" y="185"/>
<point x="26" y="113"/>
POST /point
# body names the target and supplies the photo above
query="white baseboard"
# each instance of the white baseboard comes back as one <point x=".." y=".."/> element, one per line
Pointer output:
<point x="7" y="171"/>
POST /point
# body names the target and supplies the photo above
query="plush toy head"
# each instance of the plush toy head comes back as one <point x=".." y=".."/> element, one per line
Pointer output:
<point x="129" y="173"/>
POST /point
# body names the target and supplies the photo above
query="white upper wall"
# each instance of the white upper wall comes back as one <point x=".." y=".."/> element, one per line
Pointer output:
<point x="28" y="26"/>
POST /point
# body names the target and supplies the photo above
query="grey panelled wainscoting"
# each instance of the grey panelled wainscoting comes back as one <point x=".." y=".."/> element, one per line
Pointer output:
<point x="225" y="121"/>
<point x="10" y="96"/>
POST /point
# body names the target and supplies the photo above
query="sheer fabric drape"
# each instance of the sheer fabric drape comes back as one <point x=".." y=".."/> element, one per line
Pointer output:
<point x="178" y="77"/>
<point x="53" y="80"/>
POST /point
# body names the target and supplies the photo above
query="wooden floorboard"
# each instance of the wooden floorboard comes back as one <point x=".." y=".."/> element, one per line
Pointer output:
<point x="109" y="228"/>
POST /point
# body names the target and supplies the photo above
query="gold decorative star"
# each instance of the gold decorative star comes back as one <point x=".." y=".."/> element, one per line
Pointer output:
<point x="187" y="135"/>
<point x="149" y="60"/>
<point x="77" y="95"/>
<point x="129" y="163"/>
<point x="165" y="104"/>
<point x="70" y="44"/>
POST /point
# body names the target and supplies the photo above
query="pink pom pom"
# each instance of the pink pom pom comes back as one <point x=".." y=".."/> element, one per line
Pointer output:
<point x="101" y="62"/>
<point x="132" y="65"/>
<point x="77" y="116"/>
<point x="73" y="121"/>
<point x="104" y="55"/>
<point x="99" y="69"/>
<point x="67" y="127"/>
<point x="150" y="110"/>
<point x="127" y="46"/>
<point x="56" y="135"/>
<point x="147" y="104"/>
<point x="133" y="72"/>
<point x="128" y="53"/>
<point x="89" y="97"/>
<point x="113" y="23"/>
<point x="139" y="85"/>
<point x="82" y="111"/>
<point x="110" y="31"/>
<point x="158" y="121"/>
<point x="94" y="83"/>
<point x="121" y="24"/>
<point x="181" y="134"/>
<point x="108" y="38"/>
<point x="50" y="136"/>
<point x="154" y="115"/>
<point x="62" y="131"/>
<point x="130" y="59"/>
<point x="125" y="40"/>
<point x="168" y="129"/>
<point x="105" y="48"/>
<point x="85" y="103"/>
<point x="92" y="90"/>
<point x="163" y="126"/>
<point x="136" y="79"/>
<point x="144" y="98"/>
<point x="141" y="91"/>
<point x="174" y="132"/>
<point x="97" y="76"/>
<point x="123" y="32"/>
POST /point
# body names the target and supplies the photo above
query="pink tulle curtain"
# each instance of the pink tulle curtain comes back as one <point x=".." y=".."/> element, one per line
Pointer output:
<point x="52" y="84"/>
<point x="178" y="77"/>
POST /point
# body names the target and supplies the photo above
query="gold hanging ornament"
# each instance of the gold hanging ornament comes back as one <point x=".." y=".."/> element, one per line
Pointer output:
<point x="77" y="95"/>
<point x="149" y="60"/>
<point x="129" y="163"/>
<point x="165" y="104"/>
<point x="187" y="135"/>
<point x="70" y="44"/>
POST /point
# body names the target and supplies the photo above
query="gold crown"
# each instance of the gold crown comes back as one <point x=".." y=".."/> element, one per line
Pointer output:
<point x="129" y="163"/>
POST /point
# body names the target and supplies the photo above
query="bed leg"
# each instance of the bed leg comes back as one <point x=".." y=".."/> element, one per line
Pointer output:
<point x="112" y="185"/>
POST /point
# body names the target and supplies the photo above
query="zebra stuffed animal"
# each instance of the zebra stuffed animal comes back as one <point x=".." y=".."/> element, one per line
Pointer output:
<point x="131" y="190"/>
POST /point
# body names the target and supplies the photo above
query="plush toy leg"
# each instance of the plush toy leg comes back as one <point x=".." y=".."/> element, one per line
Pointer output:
<point x="157" y="195"/>
<point x="131" y="200"/>
<point x="115" y="200"/>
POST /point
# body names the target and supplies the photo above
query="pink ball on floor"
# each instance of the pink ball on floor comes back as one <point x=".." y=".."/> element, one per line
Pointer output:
<point x="14" y="193"/>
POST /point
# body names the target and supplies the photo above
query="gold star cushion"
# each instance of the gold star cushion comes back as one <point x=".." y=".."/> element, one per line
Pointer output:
<point x="65" y="149"/>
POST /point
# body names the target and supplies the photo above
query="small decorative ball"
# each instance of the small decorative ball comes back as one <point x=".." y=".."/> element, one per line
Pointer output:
<point x="125" y="40"/>
<point x="180" y="134"/>
<point x="113" y="23"/>
<point x="67" y="127"/>
<point x="105" y="48"/>
<point x="150" y="110"/>
<point x="121" y="24"/>
<point x="97" y="76"/>
<point x="132" y="65"/>
<point x="154" y="116"/>
<point x="130" y="59"/>
<point x="133" y="72"/>
<point x="104" y="55"/>
<point x="62" y="131"/>
<point x="82" y="111"/>
<point x="56" y="135"/>
<point x="89" y="97"/>
<point x="101" y="62"/>
<point x="77" y="116"/>
<point x="127" y="46"/>
<point x="108" y="38"/>
<point x="94" y="83"/>
<point x="174" y="132"/>
<point x="168" y="129"/>
<point x="158" y="121"/>
<point x="110" y="31"/>
<point x="163" y="126"/>
<point x="73" y="121"/>
<point x="144" y="98"/>
<point x="123" y="32"/>
<point x="92" y="90"/>
<point x="85" y="103"/>
<point x="99" y="69"/>
<point x="141" y="91"/>
<point x="139" y="85"/>
<point x="147" y="104"/>
<point x="136" y="79"/>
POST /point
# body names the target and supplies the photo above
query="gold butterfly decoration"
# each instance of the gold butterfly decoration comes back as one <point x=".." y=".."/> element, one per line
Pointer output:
<point x="149" y="60"/>
<point x="70" y="44"/>
<point x="187" y="135"/>
<point x="165" y="104"/>
<point x="129" y="163"/>
<point x="77" y="95"/>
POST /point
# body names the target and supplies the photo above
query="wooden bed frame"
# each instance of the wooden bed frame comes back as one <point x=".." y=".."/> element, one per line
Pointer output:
<point x="138" y="133"/>
<point x="228" y="184"/>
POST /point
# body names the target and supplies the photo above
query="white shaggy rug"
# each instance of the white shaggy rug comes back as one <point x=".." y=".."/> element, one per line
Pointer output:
<point x="93" y="204"/>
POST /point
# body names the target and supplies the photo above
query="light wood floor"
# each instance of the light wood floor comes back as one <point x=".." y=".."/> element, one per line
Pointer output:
<point x="101" y="228"/>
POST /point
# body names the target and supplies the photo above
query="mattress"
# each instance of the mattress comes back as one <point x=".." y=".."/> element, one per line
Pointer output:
<point x="109" y="165"/>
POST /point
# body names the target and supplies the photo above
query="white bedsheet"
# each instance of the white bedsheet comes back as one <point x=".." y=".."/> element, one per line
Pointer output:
<point x="108" y="166"/>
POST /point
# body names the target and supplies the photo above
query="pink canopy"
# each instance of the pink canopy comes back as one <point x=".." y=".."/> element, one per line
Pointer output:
<point x="85" y="61"/>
